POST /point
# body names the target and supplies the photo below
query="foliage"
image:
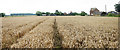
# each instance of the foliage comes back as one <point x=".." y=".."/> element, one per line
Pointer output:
<point x="58" y="46"/>
<point x="2" y="14"/>
<point x="117" y="7"/>
<point x="74" y="13"/>
<point x="58" y="13"/>
<point x="118" y="15"/>
<point x="103" y="14"/>
<point x="38" y="13"/>
<point x="47" y="13"/>
<point x="113" y="15"/>
<point x="110" y="14"/>
<point x="83" y="13"/>
<point x="52" y="14"/>
<point x="43" y="12"/>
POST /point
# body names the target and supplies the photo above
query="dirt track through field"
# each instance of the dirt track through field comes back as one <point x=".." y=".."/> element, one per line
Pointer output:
<point x="56" y="36"/>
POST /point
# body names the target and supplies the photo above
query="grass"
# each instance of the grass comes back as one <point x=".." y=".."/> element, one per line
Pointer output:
<point x="58" y="47"/>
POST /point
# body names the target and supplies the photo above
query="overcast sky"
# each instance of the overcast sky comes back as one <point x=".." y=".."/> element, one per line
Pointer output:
<point x="31" y="6"/>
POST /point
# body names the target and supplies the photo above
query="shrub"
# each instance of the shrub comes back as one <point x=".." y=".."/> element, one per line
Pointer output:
<point x="113" y="15"/>
<point x="47" y="13"/>
<point x="103" y="14"/>
<point x="83" y="13"/>
<point x="117" y="15"/>
<point x="38" y="13"/>
<point x="110" y="14"/>
<point x="2" y="14"/>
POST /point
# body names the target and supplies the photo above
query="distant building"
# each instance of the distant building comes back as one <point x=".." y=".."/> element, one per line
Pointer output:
<point x="94" y="11"/>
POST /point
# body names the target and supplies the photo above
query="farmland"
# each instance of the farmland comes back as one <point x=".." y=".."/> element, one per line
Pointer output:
<point x="60" y="32"/>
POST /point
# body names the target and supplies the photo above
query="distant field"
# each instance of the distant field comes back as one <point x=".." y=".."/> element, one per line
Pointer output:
<point x="60" y="31"/>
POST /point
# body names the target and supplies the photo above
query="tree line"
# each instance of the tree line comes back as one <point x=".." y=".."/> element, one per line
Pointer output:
<point x="59" y="13"/>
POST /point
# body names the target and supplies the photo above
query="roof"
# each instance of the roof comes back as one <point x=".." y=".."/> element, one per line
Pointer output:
<point x="93" y="9"/>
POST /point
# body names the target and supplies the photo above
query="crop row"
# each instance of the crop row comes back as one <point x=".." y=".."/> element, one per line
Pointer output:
<point x="39" y="37"/>
<point x="16" y="22"/>
<point x="11" y="36"/>
<point x="90" y="33"/>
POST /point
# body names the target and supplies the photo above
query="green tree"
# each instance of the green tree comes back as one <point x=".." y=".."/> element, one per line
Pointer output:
<point x="43" y="13"/>
<point x="38" y="13"/>
<point x="103" y="14"/>
<point x="47" y="13"/>
<point x="2" y="14"/>
<point x="60" y="13"/>
<point x="83" y="13"/>
<point x="75" y="13"/>
<point x="117" y="7"/>
<point x="57" y="12"/>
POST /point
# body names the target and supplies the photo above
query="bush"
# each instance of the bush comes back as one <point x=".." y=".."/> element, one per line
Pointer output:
<point x="103" y="14"/>
<point x="117" y="15"/>
<point x="75" y="13"/>
<point x="83" y="13"/>
<point x="110" y="14"/>
<point x="47" y="13"/>
<point x="113" y="15"/>
<point x="2" y="14"/>
<point x="57" y="13"/>
<point x="38" y="13"/>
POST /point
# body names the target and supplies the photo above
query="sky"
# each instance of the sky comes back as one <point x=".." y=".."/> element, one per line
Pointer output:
<point x="31" y="6"/>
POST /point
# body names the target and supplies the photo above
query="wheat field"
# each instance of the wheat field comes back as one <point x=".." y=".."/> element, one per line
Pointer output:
<point x="59" y="32"/>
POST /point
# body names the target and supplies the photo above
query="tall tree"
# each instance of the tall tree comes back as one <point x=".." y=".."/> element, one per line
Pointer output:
<point x="83" y="13"/>
<point x="47" y="13"/>
<point x="2" y="14"/>
<point x="117" y="7"/>
<point x="57" y="12"/>
<point x="38" y="13"/>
